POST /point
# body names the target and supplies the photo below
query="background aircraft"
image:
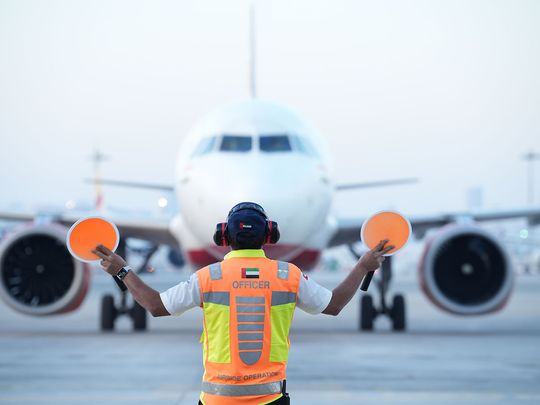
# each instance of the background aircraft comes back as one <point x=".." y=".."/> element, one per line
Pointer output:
<point x="263" y="152"/>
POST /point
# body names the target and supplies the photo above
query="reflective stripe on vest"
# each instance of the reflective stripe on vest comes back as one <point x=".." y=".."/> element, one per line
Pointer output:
<point x="215" y="271"/>
<point x="222" y="298"/>
<point x="283" y="270"/>
<point x="241" y="390"/>
<point x="283" y="297"/>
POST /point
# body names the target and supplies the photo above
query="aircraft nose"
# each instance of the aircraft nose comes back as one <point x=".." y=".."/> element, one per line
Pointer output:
<point x="270" y="188"/>
<point x="295" y="196"/>
<point x="291" y="196"/>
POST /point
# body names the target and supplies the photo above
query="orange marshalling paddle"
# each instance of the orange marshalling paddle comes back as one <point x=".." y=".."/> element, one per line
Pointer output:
<point x="389" y="225"/>
<point x="85" y="234"/>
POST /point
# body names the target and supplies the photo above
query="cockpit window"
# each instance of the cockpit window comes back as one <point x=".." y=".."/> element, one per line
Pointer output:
<point x="205" y="146"/>
<point x="303" y="146"/>
<point x="235" y="143"/>
<point x="274" y="143"/>
<point x="266" y="143"/>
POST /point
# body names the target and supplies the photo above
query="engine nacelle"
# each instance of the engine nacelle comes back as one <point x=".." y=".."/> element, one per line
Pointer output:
<point x="465" y="270"/>
<point x="38" y="276"/>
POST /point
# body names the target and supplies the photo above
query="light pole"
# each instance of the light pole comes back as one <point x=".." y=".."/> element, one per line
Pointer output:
<point x="530" y="158"/>
<point x="97" y="158"/>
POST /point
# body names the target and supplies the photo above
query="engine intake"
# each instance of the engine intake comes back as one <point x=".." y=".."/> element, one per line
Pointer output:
<point x="465" y="270"/>
<point x="38" y="276"/>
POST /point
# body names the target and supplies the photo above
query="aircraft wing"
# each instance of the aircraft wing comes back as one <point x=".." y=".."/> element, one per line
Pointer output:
<point x="154" y="230"/>
<point x="349" y="228"/>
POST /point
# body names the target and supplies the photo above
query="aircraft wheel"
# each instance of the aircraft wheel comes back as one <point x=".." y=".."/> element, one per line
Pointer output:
<point x="108" y="312"/>
<point x="138" y="315"/>
<point x="367" y="312"/>
<point x="398" y="312"/>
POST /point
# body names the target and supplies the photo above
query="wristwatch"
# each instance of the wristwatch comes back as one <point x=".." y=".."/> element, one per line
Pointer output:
<point x="123" y="272"/>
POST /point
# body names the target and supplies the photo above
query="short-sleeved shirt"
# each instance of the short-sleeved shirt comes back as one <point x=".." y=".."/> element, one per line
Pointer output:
<point x="312" y="297"/>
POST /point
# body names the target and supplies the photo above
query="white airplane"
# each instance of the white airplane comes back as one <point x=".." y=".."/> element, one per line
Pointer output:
<point x="262" y="152"/>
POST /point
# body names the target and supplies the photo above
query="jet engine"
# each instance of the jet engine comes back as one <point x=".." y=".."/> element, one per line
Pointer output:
<point x="465" y="270"/>
<point x="38" y="276"/>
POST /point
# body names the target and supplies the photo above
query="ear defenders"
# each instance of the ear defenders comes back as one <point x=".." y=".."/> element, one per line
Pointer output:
<point x="271" y="230"/>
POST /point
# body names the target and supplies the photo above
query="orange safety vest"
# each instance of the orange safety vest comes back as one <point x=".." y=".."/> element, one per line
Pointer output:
<point x="248" y="303"/>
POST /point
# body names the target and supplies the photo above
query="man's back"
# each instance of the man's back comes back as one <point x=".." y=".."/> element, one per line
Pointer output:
<point x="248" y="304"/>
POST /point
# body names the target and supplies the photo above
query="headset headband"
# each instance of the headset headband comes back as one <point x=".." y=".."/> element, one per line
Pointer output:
<point x="247" y="206"/>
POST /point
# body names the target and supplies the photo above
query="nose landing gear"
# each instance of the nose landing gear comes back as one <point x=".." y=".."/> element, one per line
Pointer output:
<point x="110" y="312"/>
<point x="369" y="311"/>
<point x="396" y="313"/>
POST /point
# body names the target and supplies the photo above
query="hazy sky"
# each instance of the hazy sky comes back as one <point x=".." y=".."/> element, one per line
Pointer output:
<point x="448" y="91"/>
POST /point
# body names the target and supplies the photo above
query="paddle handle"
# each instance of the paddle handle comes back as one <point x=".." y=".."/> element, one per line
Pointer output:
<point x="367" y="280"/>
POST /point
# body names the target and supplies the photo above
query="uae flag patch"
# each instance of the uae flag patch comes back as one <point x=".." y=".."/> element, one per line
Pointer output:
<point x="250" y="272"/>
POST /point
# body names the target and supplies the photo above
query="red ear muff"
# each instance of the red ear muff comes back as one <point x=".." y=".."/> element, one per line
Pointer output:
<point x="224" y="239"/>
<point x="272" y="232"/>
<point x="269" y="227"/>
<point x="220" y="235"/>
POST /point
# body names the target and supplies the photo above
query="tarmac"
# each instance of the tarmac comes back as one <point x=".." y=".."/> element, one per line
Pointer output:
<point x="441" y="359"/>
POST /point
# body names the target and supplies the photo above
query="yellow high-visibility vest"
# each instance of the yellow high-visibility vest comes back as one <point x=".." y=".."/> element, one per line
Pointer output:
<point x="248" y="302"/>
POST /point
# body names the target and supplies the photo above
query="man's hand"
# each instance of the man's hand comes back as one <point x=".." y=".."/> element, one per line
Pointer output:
<point x="373" y="259"/>
<point x="111" y="262"/>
